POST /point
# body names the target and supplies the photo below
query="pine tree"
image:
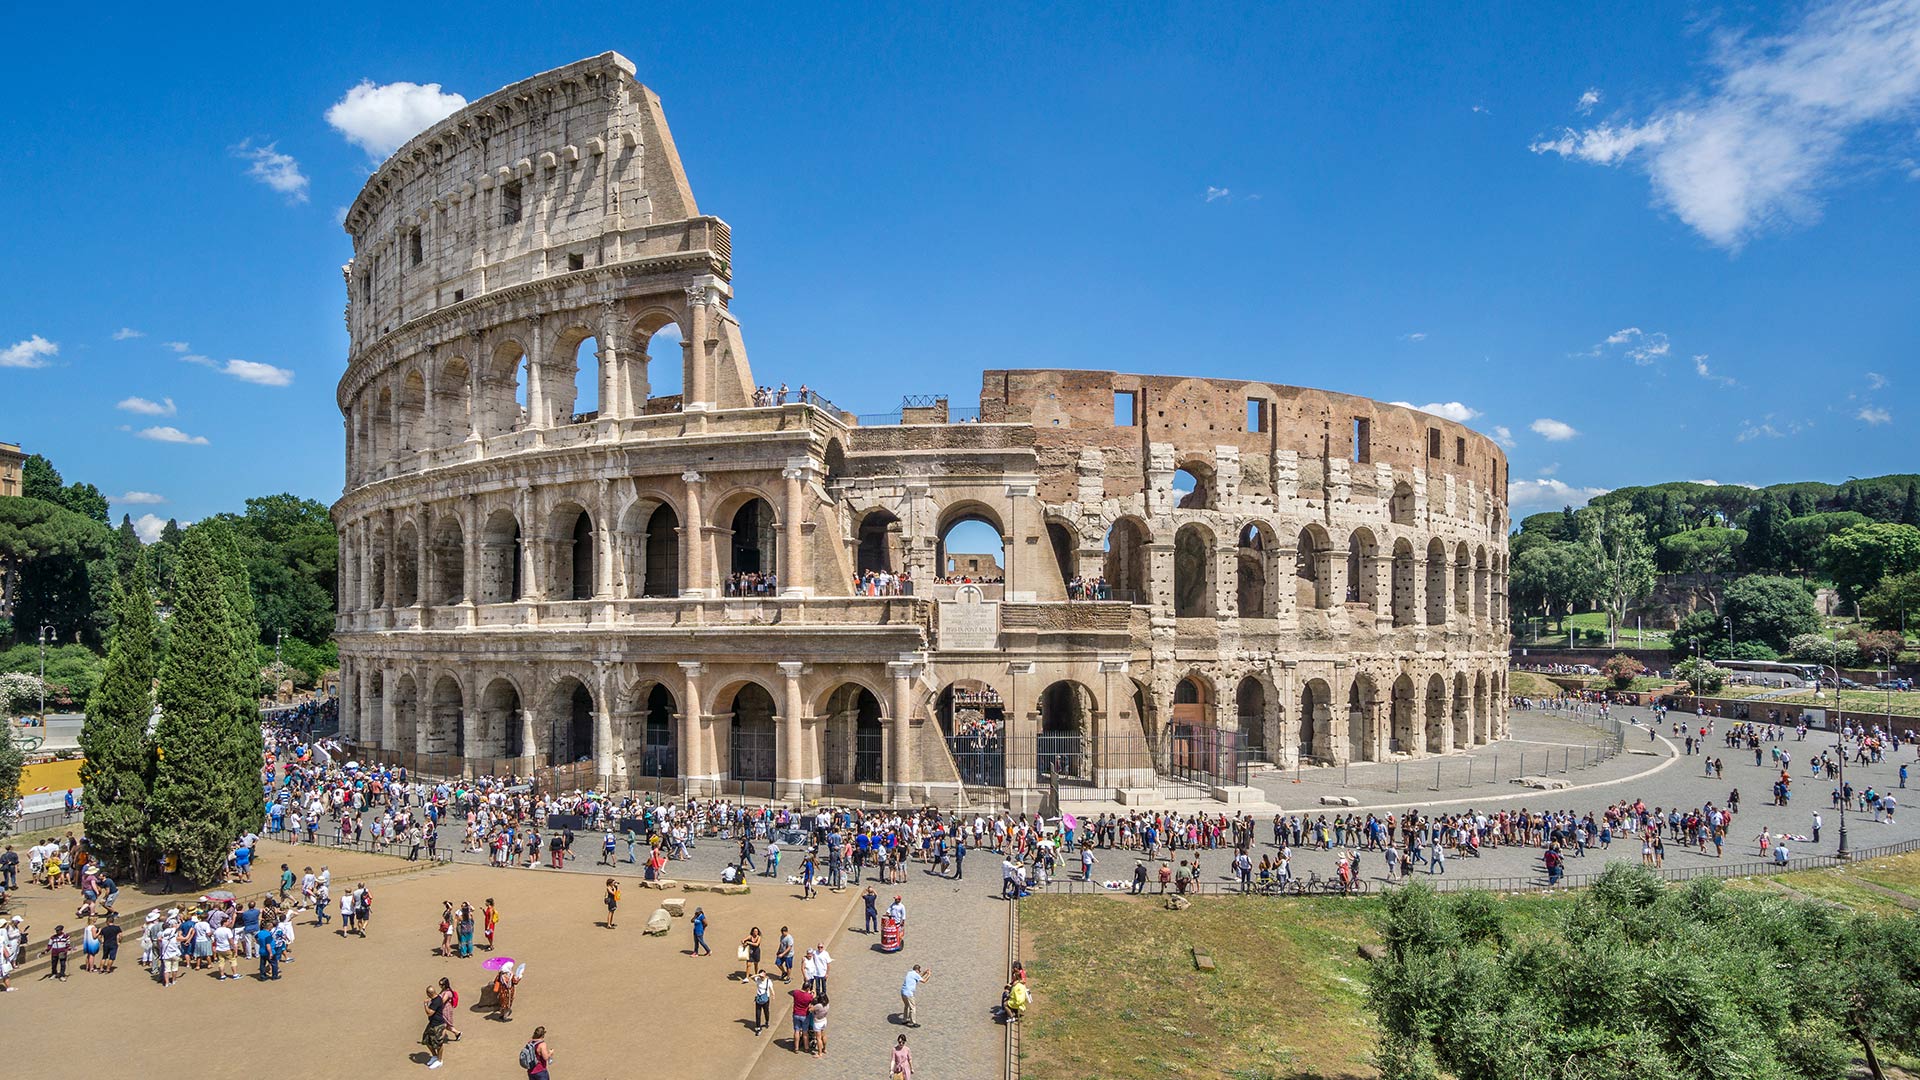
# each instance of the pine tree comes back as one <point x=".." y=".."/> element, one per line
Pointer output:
<point x="116" y="772"/>
<point x="191" y="808"/>
<point x="1910" y="510"/>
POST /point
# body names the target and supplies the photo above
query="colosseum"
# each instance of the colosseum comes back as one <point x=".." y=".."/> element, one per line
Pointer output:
<point x="576" y="533"/>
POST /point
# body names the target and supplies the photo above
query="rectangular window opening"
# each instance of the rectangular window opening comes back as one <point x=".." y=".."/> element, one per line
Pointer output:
<point x="1459" y="450"/>
<point x="510" y="203"/>
<point x="1256" y="415"/>
<point x="1123" y="406"/>
<point x="459" y="295"/>
<point x="576" y="262"/>
<point x="415" y="248"/>
<point x="1362" y="440"/>
<point x="1433" y="443"/>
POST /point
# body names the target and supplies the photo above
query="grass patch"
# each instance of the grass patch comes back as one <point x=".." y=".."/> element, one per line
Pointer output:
<point x="1531" y="684"/>
<point x="1865" y="702"/>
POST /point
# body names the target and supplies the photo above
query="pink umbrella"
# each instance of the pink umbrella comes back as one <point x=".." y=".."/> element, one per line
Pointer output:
<point x="1069" y="821"/>
<point x="497" y="963"/>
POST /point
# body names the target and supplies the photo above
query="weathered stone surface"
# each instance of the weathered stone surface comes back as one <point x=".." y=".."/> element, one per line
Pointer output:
<point x="676" y="906"/>
<point x="1543" y="783"/>
<point x="1373" y="952"/>
<point x="1338" y="800"/>
<point x="1176" y="902"/>
<point x="659" y="922"/>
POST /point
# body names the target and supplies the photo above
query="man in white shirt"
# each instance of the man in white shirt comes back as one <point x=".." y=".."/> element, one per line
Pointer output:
<point x="821" y="958"/>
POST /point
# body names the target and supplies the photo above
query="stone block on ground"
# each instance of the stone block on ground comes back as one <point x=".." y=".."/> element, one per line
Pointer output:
<point x="1138" y="796"/>
<point x="731" y="890"/>
<point x="1338" y="800"/>
<point x="1235" y="793"/>
<point x="1543" y="783"/>
<point x="1176" y="902"/>
<point x="659" y="922"/>
<point x="676" y="907"/>
<point x="697" y="886"/>
<point x="1202" y="961"/>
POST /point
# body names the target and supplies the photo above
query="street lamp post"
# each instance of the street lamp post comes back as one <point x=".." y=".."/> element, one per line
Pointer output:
<point x="45" y="631"/>
<point x="1839" y="739"/>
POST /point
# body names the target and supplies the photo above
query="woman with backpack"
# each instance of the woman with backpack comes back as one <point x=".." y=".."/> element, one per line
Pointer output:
<point x="536" y="1054"/>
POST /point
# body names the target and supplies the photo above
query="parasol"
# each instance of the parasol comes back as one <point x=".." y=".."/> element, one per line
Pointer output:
<point x="497" y="963"/>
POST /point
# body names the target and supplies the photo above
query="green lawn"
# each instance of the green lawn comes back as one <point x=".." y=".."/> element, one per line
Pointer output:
<point x="1864" y="702"/>
<point x="1553" y="633"/>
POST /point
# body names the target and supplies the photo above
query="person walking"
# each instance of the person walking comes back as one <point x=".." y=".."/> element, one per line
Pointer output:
<point x="909" y="989"/>
<point x="871" y="900"/>
<point x="700" y="947"/>
<point x="750" y="952"/>
<point x="762" y="1001"/>
<point x="612" y="900"/>
<point x="783" y="955"/>
<point x="536" y="1055"/>
<point x="489" y="921"/>
<point x="902" y="1061"/>
<point x="435" y="1035"/>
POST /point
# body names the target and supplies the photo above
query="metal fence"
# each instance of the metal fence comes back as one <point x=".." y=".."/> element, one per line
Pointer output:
<point x="1480" y="767"/>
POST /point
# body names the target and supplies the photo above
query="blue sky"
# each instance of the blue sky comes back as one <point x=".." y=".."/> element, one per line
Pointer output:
<point x="1647" y="243"/>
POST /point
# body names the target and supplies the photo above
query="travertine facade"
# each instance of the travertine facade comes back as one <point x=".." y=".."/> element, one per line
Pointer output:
<point x="524" y="578"/>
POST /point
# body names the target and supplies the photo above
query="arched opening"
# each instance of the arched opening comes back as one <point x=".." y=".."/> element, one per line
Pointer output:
<point x="1482" y="722"/>
<point x="1362" y="559"/>
<point x="1192" y="701"/>
<point x="1065" y="543"/>
<point x="878" y="544"/>
<point x="834" y="460"/>
<point x="448" y="553"/>
<point x="1436" y="583"/>
<point x="1255" y="554"/>
<point x="1250" y="708"/>
<point x="1362" y="745"/>
<point x="1313" y="569"/>
<point x="1400" y="508"/>
<point x="971" y="547"/>
<point x="855" y="738"/>
<point x="752" y="564"/>
<point x="751" y="734"/>
<point x="406" y="567"/>
<point x="1192" y="573"/>
<point x="573" y="554"/>
<point x="1066" y="731"/>
<point x="1462" y="581"/>
<point x="570" y="724"/>
<point x="1193" y="487"/>
<point x="406" y="716"/>
<point x="662" y="553"/>
<point x="973" y="720"/>
<point x="1403" y="577"/>
<point x="1481" y="579"/>
<point x="658" y="749"/>
<point x="505" y="389"/>
<point x="585" y="405"/>
<point x="1316" y="714"/>
<point x="1436" y="715"/>
<point x="381" y="430"/>
<point x="378" y="582"/>
<point x="446" y="724"/>
<point x="410" y="405"/>
<point x="500" y="559"/>
<point x="1462" y="714"/>
<point x="666" y="368"/>
<point x="1406" y="721"/>
<point x="1126" y="562"/>
<point x="502" y="727"/>
<point x="452" y="400"/>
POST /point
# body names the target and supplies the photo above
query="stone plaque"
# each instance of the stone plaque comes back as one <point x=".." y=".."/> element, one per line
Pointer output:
<point x="969" y="622"/>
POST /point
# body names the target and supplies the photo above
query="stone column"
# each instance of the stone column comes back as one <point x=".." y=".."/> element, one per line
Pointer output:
<point x="605" y="758"/>
<point x="1383" y="589"/>
<point x="697" y="394"/>
<point x="532" y="540"/>
<point x="793" y="728"/>
<point x="538" y="417"/>
<point x="900" y="767"/>
<point x="423" y="560"/>
<point x="694" y="772"/>
<point x="1226" y="578"/>
<point x="390" y="580"/>
<point x="693" y="540"/>
<point x="1284" y="587"/>
<point x="529" y="748"/>
<point x="603" y="541"/>
<point x="793" y="531"/>
<point x="607" y="357"/>
<point x="476" y="382"/>
<point x="349" y="727"/>
<point x="389" y="724"/>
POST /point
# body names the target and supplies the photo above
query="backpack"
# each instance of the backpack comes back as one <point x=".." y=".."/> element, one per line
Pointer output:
<point x="529" y="1056"/>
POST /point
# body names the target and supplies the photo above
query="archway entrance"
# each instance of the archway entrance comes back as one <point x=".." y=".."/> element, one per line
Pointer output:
<point x="973" y="720"/>
<point x="855" y="737"/>
<point x="1315" y="702"/>
<point x="446" y="727"/>
<point x="1126" y="562"/>
<point x="1406" y="719"/>
<point x="570" y="725"/>
<point x="1361" y="744"/>
<point x="972" y="548"/>
<point x="500" y="728"/>
<point x="1250" y="705"/>
<point x="751" y="735"/>
<point x="753" y="569"/>
<point x="1066" y="730"/>
<point x="658" y="756"/>
<point x="1192" y="573"/>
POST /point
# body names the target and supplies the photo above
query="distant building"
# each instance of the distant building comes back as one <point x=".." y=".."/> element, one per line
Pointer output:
<point x="12" y="461"/>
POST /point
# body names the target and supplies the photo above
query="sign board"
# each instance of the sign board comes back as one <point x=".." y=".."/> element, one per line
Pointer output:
<point x="969" y="622"/>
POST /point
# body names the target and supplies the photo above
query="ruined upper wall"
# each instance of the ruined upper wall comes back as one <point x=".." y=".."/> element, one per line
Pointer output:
<point x="560" y="172"/>
<point x="1072" y="411"/>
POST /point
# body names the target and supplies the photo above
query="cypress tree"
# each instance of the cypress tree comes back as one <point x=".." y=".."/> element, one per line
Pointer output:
<point x="191" y="807"/>
<point x="116" y="772"/>
<point x="242" y="742"/>
<point x="1910" y="510"/>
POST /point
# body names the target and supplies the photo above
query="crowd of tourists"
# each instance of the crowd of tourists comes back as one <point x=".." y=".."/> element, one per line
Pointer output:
<point x="883" y="583"/>
<point x="752" y="583"/>
<point x="1088" y="588"/>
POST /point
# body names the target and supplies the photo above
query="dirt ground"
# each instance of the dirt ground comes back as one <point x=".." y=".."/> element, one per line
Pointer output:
<point x="612" y="1000"/>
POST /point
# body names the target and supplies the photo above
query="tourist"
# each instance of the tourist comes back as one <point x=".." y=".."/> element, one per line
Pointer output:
<point x="438" y="1014"/>
<point x="700" y="947"/>
<point x="869" y="900"/>
<point x="802" y="1016"/>
<point x="489" y="921"/>
<point x="110" y="943"/>
<point x="612" y="900"/>
<point x="783" y="955"/>
<point x="505" y="982"/>
<point x="463" y="927"/>
<point x="57" y="946"/>
<point x="762" y="1001"/>
<point x="909" y="988"/>
<point x="750" y="952"/>
<point x="821" y="960"/>
<point x="536" y="1055"/>
<point x="445" y="948"/>
<point x="226" y="963"/>
<point x="902" y="1060"/>
<point x="817" y="1023"/>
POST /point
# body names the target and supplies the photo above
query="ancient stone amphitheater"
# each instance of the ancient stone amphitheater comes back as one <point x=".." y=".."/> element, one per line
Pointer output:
<point x="576" y="536"/>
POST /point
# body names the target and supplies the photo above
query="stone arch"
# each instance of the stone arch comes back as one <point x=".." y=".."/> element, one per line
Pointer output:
<point x="752" y="731"/>
<point x="834" y="460"/>
<point x="1064" y="540"/>
<point x="1480" y="583"/>
<point x="447" y="561"/>
<point x="648" y="548"/>
<point x="1193" y="485"/>
<point x="1482" y="722"/>
<point x="1254" y="570"/>
<point x="877" y="548"/>
<point x="571" y="378"/>
<point x="500" y="561"/>
<point x="752" y="535"/>
<point x="1400" y="505"/>
<point x="1193" y="700"/>
<point x="1065" y="735"/>
<point x="1193" y="570"/>
<point x="1436" y="726"/>
<point x="1250" y="713"/>
<point x="1363" y="584"/>
<point x="1462" y="714"/>
<point x="504" y="405"/>
<point x="1126" y="567"/>
<point x="1407" y="737"/>
<point x="571" y="529"/>
<point x="500" y="727"/>
<point x="406" y="566"/>
<point x="569" y="729"/>
<point x="449" y="412"/>
<point x="1436" y="582"/>
<point x="1363" y="719"/>
<point x="1404" y="571"/>
<point x="377" y="579"/>
<point x="854" y="734"/>
<point x="1313" y="569"/>
<point x="446" y="719"/>
<point x="406" y="714"/>
<point x="949" y="561"/>
<point x="652" y="736"/>
<point x="655" y="366"/>
<point x="410" y="409"/>
<point x="1316" y="718"/>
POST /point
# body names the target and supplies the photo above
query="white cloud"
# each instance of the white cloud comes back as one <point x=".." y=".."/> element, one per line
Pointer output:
<point x="163" y="407"/>
<point x="1767" y="428"/>
<point x="31" y="353"/>
<point x="1759" y="144"/>
<point x="1450" y="410"/>
<point x="1874" y="415"/>
<point x="1552" y="430"/>
<point x="1635" y="344"/>
<point x="178" y="346"/>
<point x="1876" y="381"/>
<point x="1482" y="109"/>
<point x="1587" y="101"/>
<point x="1417" y="335"/>
<point x="1701" y="369"/>
<point x="1707" y="483"/>
<point x="1503" y="435"/>
<point x="276" y="170"/>
<point x="245" y="370"/>
<point x="1549" y="470"/>
<point x="1215" y="194"/>
<point x="1548" y="492"/>
<point x="148" y="527"/>
<point x="126" y="332"/>
<point x="381" y="118"/>
<point x="141" y="498"/>
<point x="171" y="435"/>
